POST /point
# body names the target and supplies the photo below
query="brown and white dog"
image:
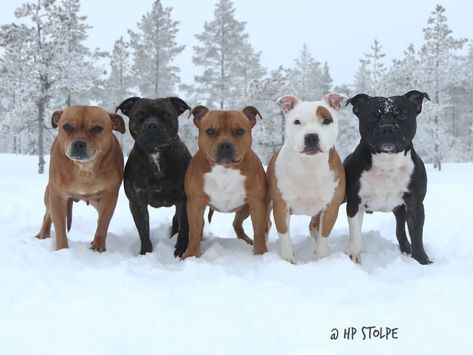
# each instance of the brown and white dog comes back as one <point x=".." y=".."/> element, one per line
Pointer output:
<point x="86" y="164"/>
<point x="226" y="175"/>
<point x="306" y="177"/>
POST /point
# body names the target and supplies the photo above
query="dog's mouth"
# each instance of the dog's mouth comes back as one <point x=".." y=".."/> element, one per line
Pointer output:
<point x="81" y="158"/>
<point x="224" y="161"/>
<point x="311" y="150"/>
<point x="80" y="151"/>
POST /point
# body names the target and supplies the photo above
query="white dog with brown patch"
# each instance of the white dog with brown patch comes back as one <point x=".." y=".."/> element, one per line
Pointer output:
<point x="307" y="177"/>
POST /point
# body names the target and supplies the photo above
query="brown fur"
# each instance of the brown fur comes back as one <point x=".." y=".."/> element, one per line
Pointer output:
<point x="225" y="123"/>
<point x="328" y="216"/>
<point x="97" y="181"/>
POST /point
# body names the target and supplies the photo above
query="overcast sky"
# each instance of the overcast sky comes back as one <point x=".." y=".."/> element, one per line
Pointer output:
<point x="338" y="32"/>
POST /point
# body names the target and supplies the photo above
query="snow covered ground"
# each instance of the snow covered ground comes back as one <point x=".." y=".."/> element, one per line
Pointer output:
<point x="230" y="302"/>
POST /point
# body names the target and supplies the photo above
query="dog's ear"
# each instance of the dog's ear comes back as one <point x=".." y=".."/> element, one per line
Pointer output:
<point x="357" y="101"/>
<point x="199" y="112"/>
<point x="417" y="97"/>
<point x="288" y="102"/>
<point x="126" y="105"/>
<point x="56" y="116"/>
<point x="252" y="113"/>
<point x="179" y="104"/>
<point x="117" y="123"/>
<point x="334" y="100"/>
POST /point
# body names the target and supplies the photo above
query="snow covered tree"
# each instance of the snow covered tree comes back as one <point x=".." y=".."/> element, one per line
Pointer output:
<point x="306" y="76"/>
<point x="77" y="71"/>
<point x="363" y="83"/>
<point x="154" y="49"/>
<point x="403" y="74"/>
<point x="263" y="94"/>
<point x="44" y="50"/>
<point x="226" y="57"/>
<point x="119" y="85"/>
<point x="377" y="67"/>
<point x="436" y="54"/>
<point x="326" y="80"/>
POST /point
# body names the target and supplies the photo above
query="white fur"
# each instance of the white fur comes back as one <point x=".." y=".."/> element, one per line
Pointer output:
<point x="355" y="243"/>
<point x="306" y="183"/>
<point x="304" y="111"/>
<point x="383" y="186"/>
<point x="225" y="188"/>
<point x="155" y="159"/>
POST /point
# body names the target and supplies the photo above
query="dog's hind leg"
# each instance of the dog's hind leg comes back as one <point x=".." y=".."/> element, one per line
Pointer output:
<point x="45" y="231"/>
<point x="240" y="215"/>
<point x="404" y="245"/>
<point x="175" y="224"/>
<point x="183" y="225"/>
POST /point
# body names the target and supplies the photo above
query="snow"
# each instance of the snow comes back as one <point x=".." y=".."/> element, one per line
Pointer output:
<point x="76" y="301"/>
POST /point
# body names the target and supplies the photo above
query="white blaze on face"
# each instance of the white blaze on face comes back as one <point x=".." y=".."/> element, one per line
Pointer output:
<point x="310" y="123"/>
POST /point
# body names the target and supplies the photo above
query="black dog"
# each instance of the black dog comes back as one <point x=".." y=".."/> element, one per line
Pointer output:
<point x="155" y="170"/>
<point x="384" y="173"/>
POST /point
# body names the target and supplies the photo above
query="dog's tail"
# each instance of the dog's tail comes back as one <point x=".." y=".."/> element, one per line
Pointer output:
<point x="211" y="213"/>
<point x="69" y="214"/>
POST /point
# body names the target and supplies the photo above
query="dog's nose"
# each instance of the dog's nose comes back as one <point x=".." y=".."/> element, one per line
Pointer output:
<point x="225" y="146"/>
<point x="225" y="152"/>
<point x="311" y="140"/>
<point x="152" y="125"/>
<point x="387" y="128"/>
<point x="79" y="146"/>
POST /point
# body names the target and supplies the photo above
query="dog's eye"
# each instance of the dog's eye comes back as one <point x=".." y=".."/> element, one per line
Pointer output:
<point x="96" y="129"/>
<point x="327" y="120"/>
<point x="240" y="132"/>
<point x="210" y="132"/>
<point x="68" y="128"/>
<point x="297" y="122"/>
<point x="402" y="116"/>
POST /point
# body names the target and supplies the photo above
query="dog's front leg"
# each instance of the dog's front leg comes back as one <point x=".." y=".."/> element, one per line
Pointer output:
<point x="258" y="219"/>
<point x="282" y="219"/>
<point x="195" y="216"/>
<point x="58" y="212"/>
<point x="139" y="211"/>
<point x="183" y="232"/>
<point x="415" y="223"/>
<point x="105" y="207"/>
<point x="355" y="223"/>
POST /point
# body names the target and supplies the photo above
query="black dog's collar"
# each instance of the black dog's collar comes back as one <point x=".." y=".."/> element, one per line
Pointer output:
<point x="165" y="146"/>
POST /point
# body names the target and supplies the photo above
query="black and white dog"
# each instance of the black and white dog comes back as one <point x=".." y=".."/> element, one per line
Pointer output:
<point x="384" y="173"/>
<point x="155" y="170"/>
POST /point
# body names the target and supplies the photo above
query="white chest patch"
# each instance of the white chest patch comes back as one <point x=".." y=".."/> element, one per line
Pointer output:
<point x="155" y="160"/>
<point x="383" y="186"/>
<point x="306" y="185"/>
<point x="225" y="188"/>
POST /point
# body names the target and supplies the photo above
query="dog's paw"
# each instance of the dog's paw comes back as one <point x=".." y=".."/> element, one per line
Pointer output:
<point x="146" y="249"/>
<point x="98" y="245"/>
<point x="320" y="253"/>
<point x="355" y="255"/>
<point x="245" y="238"/>
<point x="39" y="236"/>
<point x="190" y="252"/>
<point x="354" y="252"/>
<point x="260" y="250"/>
<point x="406" y="248"/>
<point x="422" y="258"/>
<point x="179" y="250"/>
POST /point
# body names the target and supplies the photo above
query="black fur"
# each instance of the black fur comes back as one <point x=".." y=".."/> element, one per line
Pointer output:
<point x="399" y="114"/>
<point x="154" y="126"/>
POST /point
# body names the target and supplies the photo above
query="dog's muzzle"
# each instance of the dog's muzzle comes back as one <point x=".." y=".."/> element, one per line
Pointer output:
<point x="79" y="150"/>
<point x="388" y="138"/>
<point x="311" y="144"/>
<point x="225" y="153"/>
